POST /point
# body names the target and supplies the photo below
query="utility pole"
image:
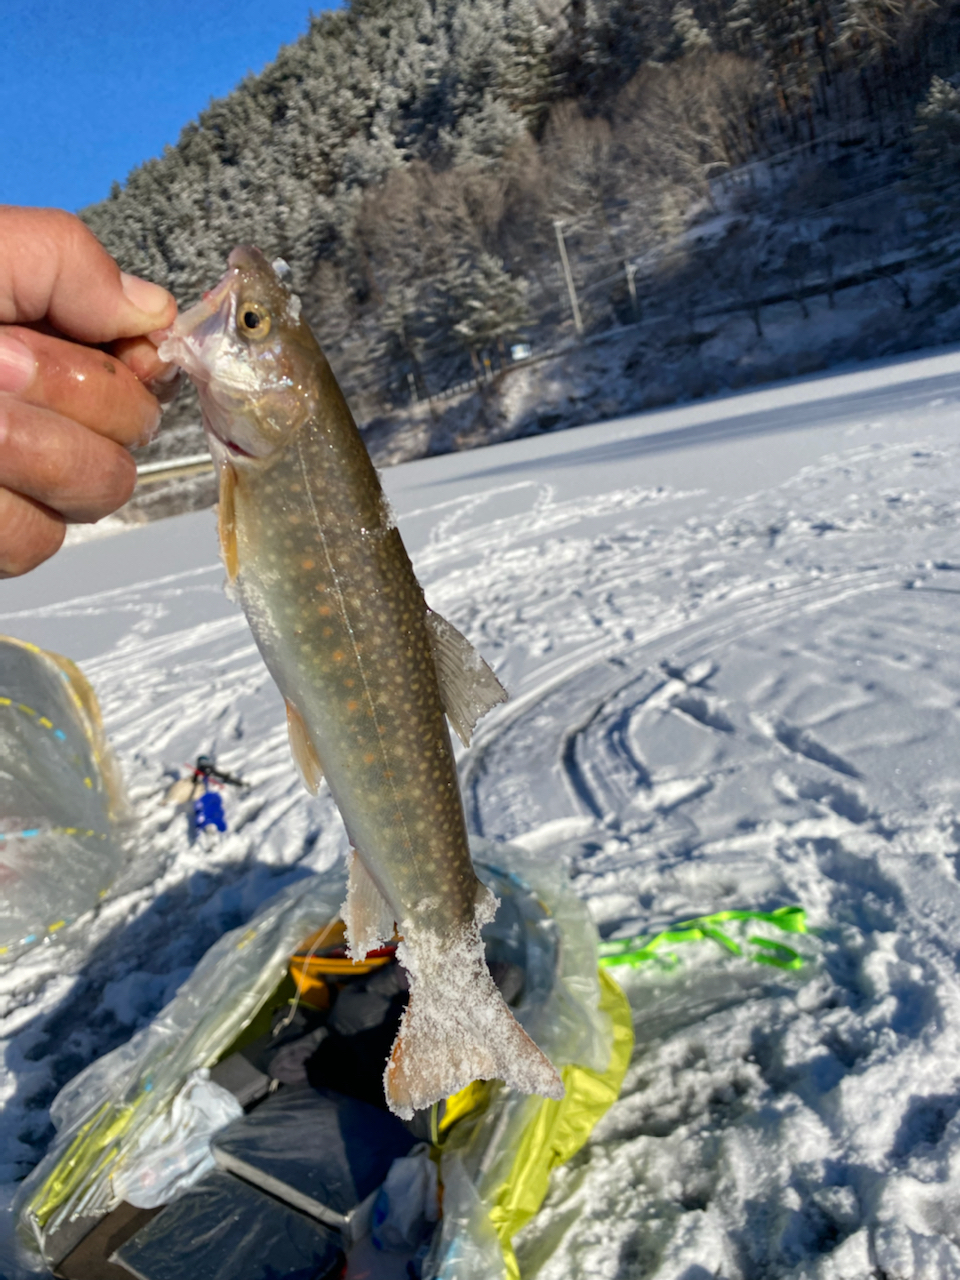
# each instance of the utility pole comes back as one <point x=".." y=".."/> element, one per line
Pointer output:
<point x="558" y="228"/>
<point x="631" y="270"/>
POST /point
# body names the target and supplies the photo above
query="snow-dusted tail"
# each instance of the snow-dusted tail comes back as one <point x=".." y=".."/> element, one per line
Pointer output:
<point x="457" y="1027"/>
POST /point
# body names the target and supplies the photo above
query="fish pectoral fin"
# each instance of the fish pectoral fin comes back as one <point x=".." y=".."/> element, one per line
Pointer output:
<point x="368" y="916"/>
<point x="457" y="1028"/>
<point x="468" y="687"/>
<point x="227" y="521"/>
<point x="303" y="751"/>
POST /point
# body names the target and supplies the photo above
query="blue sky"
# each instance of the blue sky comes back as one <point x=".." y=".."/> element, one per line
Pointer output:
<point x="90" y="89"/>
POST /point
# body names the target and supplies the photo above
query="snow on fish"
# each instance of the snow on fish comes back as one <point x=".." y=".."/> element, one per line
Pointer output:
<point x="367" y="670"/>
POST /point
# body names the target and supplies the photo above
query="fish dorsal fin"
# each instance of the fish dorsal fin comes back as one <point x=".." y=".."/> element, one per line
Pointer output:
<point x="366" y="913"/>
<point x="227" y="521"/>
<point x="468" y="688"/>
<point x="303" y="751"/>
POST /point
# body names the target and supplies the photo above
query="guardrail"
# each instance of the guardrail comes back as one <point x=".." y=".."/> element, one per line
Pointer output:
<point x="166" y="468"/>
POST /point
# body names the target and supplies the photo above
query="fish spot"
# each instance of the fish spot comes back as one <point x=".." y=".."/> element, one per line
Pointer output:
<point x="337" y="654"/>
<point x="353" y="704"/>
<point x="306" y="564"/>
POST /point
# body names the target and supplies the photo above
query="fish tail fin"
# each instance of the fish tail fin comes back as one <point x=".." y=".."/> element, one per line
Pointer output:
<point x="457" y="1028"/>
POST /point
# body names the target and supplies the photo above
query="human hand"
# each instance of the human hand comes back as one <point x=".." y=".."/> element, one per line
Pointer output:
<point x="68" y="408"/>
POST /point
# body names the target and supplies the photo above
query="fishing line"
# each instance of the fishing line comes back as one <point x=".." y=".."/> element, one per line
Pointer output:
<point x="285" y="1022"/>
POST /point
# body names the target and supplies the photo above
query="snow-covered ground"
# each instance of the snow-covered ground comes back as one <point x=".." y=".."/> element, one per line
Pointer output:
<point x="732" y="636"/>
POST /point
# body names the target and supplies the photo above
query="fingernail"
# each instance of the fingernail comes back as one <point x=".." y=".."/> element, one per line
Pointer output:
<point x="151" y="428"/>
<point x="17" y="364"/>
<point x="166" y="384"/>
<point x="145" y="295"/>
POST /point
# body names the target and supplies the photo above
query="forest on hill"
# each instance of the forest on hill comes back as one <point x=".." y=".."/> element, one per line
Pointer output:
<point x="431" y="168"/>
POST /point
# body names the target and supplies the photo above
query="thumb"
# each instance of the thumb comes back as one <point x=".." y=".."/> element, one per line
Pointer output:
<point x="53" y="268"/>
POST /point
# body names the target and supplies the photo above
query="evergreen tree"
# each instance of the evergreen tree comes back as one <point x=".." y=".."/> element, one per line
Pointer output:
<point x="487" y="306"/>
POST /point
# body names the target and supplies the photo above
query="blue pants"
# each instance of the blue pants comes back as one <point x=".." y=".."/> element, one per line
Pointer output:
<point x="208" y="811"/>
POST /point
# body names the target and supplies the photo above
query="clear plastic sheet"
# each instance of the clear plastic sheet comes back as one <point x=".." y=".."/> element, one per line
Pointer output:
<point x="407" y="1206"/>
<point x="61" y="798"/>
<point x="495" y="1159"/>
<point x="174" y="1151"/>
<point x="483" y="1159"/>
<point x="100" y="1114"/>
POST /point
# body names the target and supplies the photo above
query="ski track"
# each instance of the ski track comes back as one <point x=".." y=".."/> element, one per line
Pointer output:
<point x="746" y="704"/>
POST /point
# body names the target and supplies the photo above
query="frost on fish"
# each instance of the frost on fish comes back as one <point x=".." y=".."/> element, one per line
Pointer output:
<point x="456" y="1027"/>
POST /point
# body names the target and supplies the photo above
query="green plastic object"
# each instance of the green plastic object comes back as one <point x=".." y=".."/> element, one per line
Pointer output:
<point x="636" y="951"/>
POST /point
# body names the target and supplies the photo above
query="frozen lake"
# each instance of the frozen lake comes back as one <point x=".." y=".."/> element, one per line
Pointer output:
<point x="730" y="633"/>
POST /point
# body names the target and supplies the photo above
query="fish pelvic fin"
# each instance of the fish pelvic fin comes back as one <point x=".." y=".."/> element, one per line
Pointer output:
<point x="468" y="687"/>
<point x="227" y="521"/>
<point x="368" y="916"/>
<point x="456" y="1027"/>
<point x="303" y="751"/>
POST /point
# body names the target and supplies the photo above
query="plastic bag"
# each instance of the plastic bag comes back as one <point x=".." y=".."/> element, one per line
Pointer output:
<point x="61" y="797"/>
<point x="101" y="1113"/>
<point x="407" y="1206"/>
<point x="496" y="1163"/>
<point x="496" y="1157"/>
<point x="173" y="1152"/>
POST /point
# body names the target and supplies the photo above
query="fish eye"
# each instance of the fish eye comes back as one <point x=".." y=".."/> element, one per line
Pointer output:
<point x="253" y="321"/>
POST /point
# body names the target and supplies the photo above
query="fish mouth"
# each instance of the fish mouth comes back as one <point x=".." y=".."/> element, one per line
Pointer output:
<point x="201" y="341"/>
<point x="198" y="335"/>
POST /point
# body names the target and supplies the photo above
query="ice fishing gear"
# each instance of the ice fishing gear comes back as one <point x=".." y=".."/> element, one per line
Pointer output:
<point x="493" y="1148"/>
<point x="635" y="951"/>
<point x="198" y="789"/>
<point x="205" y="768"/>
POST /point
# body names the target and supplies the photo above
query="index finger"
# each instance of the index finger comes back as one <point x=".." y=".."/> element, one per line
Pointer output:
<point x="53" y="268"/>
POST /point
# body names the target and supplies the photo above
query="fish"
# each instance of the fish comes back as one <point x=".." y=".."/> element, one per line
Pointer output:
<point x="369" y="673"/>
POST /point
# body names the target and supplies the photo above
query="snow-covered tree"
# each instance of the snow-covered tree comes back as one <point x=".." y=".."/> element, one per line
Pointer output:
<point x="487" y="305"/>
<point x="937" y="146"/>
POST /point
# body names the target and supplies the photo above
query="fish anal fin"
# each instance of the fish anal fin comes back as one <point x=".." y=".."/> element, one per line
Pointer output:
<point x="468" y="687"/>
<point x="457" y="1028"/>
<point x="303" y="751"/>
<point x="368" y="916"/>
<point x="227" y="521"/>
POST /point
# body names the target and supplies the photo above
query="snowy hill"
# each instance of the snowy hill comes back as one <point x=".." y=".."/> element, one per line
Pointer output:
<point x="730" y="632"/>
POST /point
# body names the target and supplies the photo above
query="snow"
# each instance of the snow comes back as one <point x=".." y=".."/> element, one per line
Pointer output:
<point x="731" y="633"/>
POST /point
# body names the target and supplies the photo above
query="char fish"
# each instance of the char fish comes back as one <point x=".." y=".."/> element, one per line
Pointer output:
<point x="368" y="671"/>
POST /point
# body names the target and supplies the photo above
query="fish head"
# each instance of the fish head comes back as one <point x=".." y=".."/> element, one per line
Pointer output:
<point x="251" y="357"/>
